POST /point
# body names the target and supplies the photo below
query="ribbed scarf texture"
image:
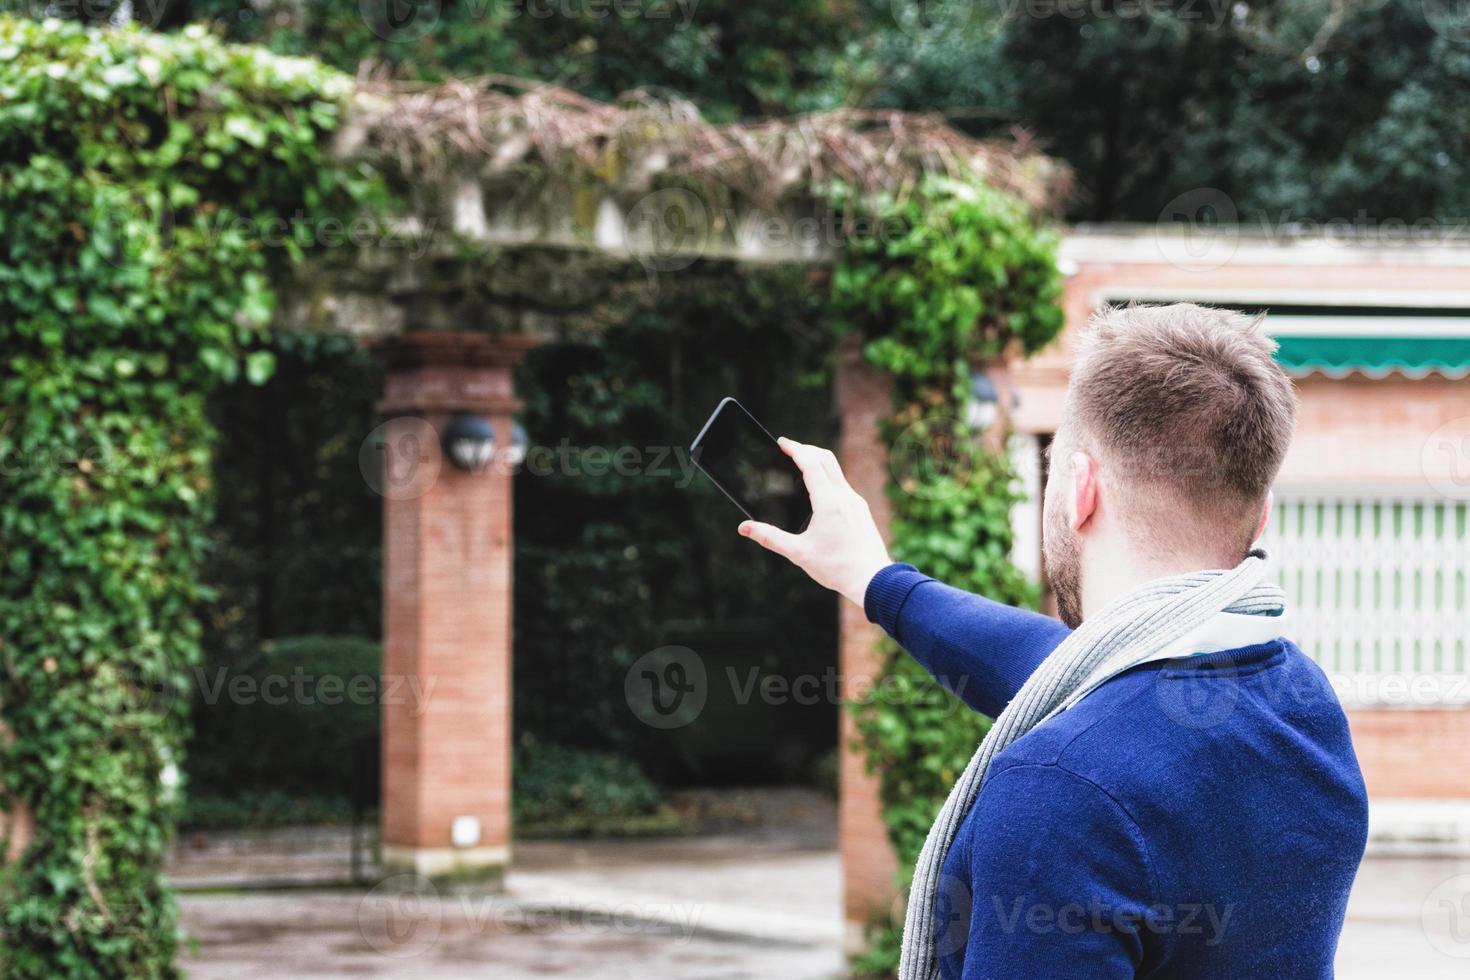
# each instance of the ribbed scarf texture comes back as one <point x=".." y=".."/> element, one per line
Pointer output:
<point x="1127" y="632"/>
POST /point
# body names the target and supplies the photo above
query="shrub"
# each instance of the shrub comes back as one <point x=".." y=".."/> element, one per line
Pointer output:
<point x="253" y="810"/>
<point x="566" y="792"/>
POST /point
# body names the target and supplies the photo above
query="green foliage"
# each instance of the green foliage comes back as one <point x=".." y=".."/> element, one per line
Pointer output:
<point x="299" y="717"/>
<point x="566" y="792"/>
<point x="265" y="810"/>
<point x="297" y="531"/>
<point x="963" y="276"/>
<point x="733" y="58"/>
<point x="1297" y="111"/>
<point x="604" y="572"/>
<point x="959" y="274"/>
<point x="127" y="291"/>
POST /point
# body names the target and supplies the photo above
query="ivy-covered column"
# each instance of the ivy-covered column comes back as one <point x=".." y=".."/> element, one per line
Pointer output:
<point x="142" y="177"/>
<point x="962" y="279"/>
<point x="446" y="608"/>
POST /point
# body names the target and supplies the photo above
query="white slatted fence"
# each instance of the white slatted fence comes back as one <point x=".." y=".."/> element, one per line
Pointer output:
<point x="1377" y="591"/>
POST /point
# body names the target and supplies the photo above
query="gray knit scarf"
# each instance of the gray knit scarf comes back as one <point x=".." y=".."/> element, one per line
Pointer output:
<point x="1126" y="633"/>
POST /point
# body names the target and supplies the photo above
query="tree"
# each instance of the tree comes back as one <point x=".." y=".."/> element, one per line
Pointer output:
<point x="1296" y="110"/>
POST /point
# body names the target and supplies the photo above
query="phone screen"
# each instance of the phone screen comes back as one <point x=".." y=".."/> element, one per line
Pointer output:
<point x="743" y="460"/>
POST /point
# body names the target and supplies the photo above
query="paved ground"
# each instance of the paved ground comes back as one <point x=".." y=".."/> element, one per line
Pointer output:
<point x="1408" y="917"/>
<point x="719" y="909"/>
<point x="735" y="905"/>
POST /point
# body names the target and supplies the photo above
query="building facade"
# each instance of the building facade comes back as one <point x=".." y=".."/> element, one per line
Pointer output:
<point x="1369" y="531"/>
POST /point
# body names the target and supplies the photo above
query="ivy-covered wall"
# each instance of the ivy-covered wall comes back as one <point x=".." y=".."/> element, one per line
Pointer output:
<point x="132" y="167"/>
<point x="966" y="277"/>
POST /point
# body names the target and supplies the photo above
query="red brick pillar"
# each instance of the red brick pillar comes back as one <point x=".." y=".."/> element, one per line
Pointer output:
<point x="446" y="609"/>
<point x="869" y="864"/>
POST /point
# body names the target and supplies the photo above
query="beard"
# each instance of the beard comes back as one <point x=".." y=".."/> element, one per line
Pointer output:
<point x="1063" y="559"/>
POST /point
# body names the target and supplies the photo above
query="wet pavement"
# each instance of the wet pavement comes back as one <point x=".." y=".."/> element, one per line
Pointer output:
<point x="723" y="907"/>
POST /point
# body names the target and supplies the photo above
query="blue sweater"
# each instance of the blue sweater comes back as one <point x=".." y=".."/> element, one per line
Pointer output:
<point x="1196" y="819"/>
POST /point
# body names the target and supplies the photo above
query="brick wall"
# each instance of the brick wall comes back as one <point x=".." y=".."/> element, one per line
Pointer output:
<point x="1413" y="752"/>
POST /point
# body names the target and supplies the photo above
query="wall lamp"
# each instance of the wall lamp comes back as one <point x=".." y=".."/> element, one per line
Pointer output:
<point x="469" y="441"/>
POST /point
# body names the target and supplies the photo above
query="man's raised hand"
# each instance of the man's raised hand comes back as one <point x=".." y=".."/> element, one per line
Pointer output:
<point x="841" y="547"/>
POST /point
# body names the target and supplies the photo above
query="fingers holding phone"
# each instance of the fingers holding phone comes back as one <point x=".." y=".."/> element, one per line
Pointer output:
<point x="835" y="541"/>
<point x="841" y="547"/>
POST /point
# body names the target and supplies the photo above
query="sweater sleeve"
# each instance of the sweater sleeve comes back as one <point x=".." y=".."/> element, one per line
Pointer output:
<point x="980" y="649"/>
<point x="1060" y="883"/>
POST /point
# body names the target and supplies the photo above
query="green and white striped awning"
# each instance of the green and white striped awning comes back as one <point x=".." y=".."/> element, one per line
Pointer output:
<point x="1375" y="346"/>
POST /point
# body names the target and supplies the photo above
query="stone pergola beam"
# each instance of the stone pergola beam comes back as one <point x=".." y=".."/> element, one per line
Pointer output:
<point x="662" y="230"/>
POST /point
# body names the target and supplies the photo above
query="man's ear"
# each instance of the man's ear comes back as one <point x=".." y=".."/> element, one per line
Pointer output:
<point x="1083" y="490"/>
<point x="1265" y="516"/>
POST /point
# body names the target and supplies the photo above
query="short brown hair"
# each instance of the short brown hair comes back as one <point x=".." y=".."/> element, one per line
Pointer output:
<point x="1187" y="399"/>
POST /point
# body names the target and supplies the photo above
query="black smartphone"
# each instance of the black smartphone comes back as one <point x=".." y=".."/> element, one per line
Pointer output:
<point x="744" y="461"/>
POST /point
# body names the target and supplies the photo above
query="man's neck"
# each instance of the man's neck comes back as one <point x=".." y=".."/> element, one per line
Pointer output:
<point x="1105" y="581"/>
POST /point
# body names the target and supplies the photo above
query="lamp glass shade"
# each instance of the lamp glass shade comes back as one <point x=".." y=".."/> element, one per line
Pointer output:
<point x="469" y="442"/>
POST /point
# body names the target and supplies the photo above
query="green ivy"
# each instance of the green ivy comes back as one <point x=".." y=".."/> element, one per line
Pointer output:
<point x="960" y="275"/>
<point x="136" y="172"/>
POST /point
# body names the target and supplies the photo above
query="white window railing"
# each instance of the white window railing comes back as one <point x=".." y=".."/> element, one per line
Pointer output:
<point x="1377" y="593"/>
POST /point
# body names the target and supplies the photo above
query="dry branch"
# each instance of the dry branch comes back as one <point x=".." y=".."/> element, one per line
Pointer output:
<point x="497" y="125"/>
